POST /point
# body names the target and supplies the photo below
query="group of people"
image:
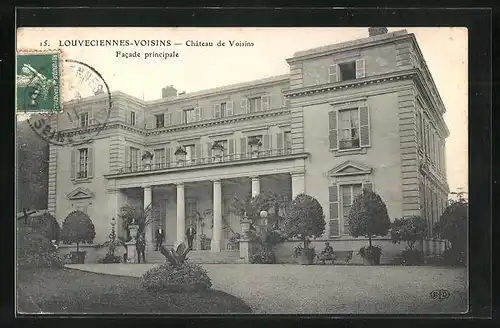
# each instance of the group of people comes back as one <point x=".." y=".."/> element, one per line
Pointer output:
<point x="140" y="243"/>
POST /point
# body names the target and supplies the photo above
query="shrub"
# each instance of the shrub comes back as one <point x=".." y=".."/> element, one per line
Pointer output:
<point x="35" y="250"/>
<point x="44" y="224"/>
<point x="409" y="229"/>
<point x="305" y="219"/>
<point x="370" y="252"/>
<point x="454" y="257"/>
<point x="170" y="278"/>
<point x="368" y="216"/>
<point x="77" y="228"/>
<point x="453" y="225"/>
<point x="263" y="257"/>
<point x="411" y="257"/>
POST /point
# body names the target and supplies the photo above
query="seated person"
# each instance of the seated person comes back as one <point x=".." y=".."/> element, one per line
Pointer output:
<point x="327" y="252"/>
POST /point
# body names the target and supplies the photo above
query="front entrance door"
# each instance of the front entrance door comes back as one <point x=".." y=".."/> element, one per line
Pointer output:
<point x="191" y="217"/>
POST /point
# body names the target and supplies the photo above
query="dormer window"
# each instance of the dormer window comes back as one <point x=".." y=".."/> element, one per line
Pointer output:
<point x="346" y="71"/>
<point x="84" y="120"/>
<point x="160" y="120"/>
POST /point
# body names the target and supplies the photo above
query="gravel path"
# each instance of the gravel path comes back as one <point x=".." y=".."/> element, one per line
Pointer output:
<point x="283" y="289"/>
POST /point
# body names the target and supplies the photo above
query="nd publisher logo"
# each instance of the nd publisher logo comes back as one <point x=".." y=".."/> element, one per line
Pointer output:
<point x="440" y="294"/>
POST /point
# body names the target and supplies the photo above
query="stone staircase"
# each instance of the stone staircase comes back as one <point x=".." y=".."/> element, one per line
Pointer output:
<point x="226" y="257"/>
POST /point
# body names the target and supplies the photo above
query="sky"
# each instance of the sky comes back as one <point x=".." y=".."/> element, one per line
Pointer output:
<point x="199" y="68"/>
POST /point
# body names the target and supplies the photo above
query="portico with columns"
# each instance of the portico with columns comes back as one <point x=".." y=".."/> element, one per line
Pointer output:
<point x="203" y="198"/>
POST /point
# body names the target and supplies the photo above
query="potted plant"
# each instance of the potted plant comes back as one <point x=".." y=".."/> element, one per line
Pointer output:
<point x="147" y="159"/>
<point x="409" y="229"/>
<point x="77" y="228"/>
<point x="368" y="217"/>
<point x="305" y="219"/>
<point x="180" y="154"/>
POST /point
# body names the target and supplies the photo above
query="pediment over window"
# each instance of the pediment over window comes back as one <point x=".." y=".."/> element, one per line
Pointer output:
<point x="349" y="168"/>
<point x="80" y="193"/>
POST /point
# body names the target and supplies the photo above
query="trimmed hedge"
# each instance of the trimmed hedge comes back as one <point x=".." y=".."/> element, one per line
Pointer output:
<point x="169" y="278"/>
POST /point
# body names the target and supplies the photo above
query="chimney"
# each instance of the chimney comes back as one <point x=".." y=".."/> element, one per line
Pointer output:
<point x="373" y="31"/>
<point x="168" y="91"/>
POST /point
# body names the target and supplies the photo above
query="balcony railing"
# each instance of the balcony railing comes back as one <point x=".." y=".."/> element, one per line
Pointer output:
<point x="212" y="160"/>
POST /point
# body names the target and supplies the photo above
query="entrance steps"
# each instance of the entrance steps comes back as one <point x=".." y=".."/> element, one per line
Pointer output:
<point x="195" y="256"/>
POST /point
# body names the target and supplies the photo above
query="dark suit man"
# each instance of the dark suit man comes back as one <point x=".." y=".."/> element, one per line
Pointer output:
<point x="140" y="246"/>
<point x="190" y="233"/>
<point x="159" y="237"/>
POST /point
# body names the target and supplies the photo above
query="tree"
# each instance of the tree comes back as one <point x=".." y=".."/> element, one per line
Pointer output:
<point x="453" y="224"/>
<point x="32" y="168"/>
<point x="368" y="216"/>
<point x="305" y="219"/>
<point x="47" y="225"/>
<point x="77" y="228"/>
<point x="410" y="230"/>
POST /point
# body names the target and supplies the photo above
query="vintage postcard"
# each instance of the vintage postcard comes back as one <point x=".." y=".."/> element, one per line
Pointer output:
<point x="242" y="170"/>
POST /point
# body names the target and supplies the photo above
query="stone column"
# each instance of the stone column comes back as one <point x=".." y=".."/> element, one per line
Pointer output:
<point x="217" y="230"/>
<point x="255" y="186"/>
<point x="298" y="184"/>
<point x="148" y="204"/>
<point x="181" y="213"/>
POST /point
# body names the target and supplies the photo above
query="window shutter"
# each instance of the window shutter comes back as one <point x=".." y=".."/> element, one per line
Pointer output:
<point x="230" y="145"/>
<point x="229" y="108"/>
<point x="149" y="121"/>
<point x="209" y="152"/>
<point x="266" y="143"/>
<point x="216" y="110"/>
<point x="368" y="186"/>
<point x="333" y="130"/>
<point x="127" y="157"/>
<point x="73" y="163"/>
<point x="364" y="126"/>
<point x="334" y="224"/>
<point x="264" y="102"/>
<point x="243" y="149"/>
<point x="279" y="142"/>
<point x="90" y="168"/>
<point x="167" y="157"/>
<point x="333" y="73"/>
<point x="197" y="114"/>
<point x="197" y="149"/>
<point x="244" y="105"/>
<point x="360" y="68"/>
<point x="91" y="117"/>
<point x="179" y="117"/>
<point x="168" y="119"/>
<point x="127" y="116"/>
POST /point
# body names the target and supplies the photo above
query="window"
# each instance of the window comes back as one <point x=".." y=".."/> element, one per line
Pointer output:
<point x="349" y="129"/>
<point x="224" y="144"/>
<point x="190" y="156"/>
<point x="191" y="210"/>
<point x="160" y="120"/>
<point x="288" y="141"/>
<point x="223" y="109"/>
<point x="347" y="71"/>
<point x="132" y="118"/>
<point x="84" y="120"/>
<point x="134" y="158"/>
<point x="188" y="116"/>
<point x="83" y="163"/>
<point x="348" y="194"/>
<point x="159" y="158"/>
<point x="254" y="104"/>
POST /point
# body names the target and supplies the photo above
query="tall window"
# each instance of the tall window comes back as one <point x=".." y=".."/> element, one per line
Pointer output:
<point x="188" y="116"/>
<point x="83" y="163"/>
<point x="134" y="158"/>
<point x="132" y="118"/>
<point x="223" y="109"/>
<point x="160" y="120"/>
<point x="190" y="156"/>
<point x="191" y="210"/>
<point x="348" y="193"/>
<point x="349" y="128"/>
<point x="225" y="145"/>
<point x="288" y="141"/>
<point x="84" y="120"/>
<point x="254" y="104"/>
<point x="159" y="158"/>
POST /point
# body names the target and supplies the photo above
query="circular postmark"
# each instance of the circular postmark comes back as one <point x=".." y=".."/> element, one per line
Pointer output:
<point x="85" y="111"/>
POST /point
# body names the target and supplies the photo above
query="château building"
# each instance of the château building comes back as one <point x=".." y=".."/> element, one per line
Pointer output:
<point x="358" y="114"/>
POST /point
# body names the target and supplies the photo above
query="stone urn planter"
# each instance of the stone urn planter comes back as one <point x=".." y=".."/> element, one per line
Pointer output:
<point x="370" y="255"/>
<point x="77" y="257"/>
<point x="305" y="256"/>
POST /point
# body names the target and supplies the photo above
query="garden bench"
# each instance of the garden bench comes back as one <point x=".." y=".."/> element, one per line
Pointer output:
<point x="346" y="256"/>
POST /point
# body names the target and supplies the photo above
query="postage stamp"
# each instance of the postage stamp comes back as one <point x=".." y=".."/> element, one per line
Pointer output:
<point x="38" y="81"/>
<point x="79" y="124"/>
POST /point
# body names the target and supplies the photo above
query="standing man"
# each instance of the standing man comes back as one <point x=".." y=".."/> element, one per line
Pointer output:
<point x="140" y="246"/>
<point x="159" y="237"/>
<point x="190" y="233"/>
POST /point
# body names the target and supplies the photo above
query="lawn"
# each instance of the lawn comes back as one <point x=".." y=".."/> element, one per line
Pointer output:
<point x="72" y="291"/>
